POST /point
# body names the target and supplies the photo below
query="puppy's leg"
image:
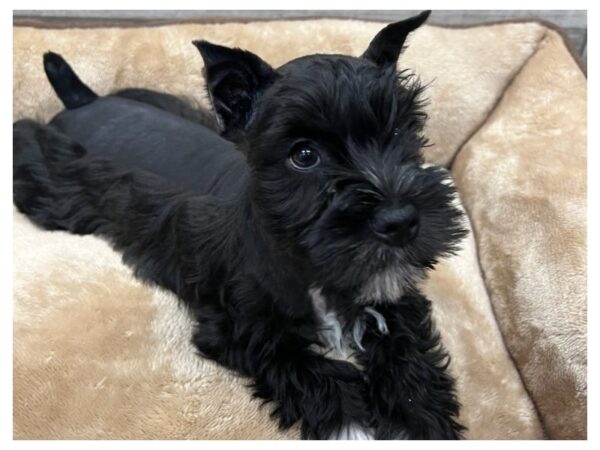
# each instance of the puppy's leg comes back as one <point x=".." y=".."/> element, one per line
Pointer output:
<point x="251" y="336"/>
<point x="60" y="187"/>
<point x="179" y="106"/>
<point x="411" y="391"/>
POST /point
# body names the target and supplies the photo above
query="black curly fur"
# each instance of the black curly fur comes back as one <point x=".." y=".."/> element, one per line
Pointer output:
<point x="245" y="266"/>
<point x="409" y="386"/>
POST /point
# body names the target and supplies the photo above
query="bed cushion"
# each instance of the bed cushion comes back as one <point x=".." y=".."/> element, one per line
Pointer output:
<point x="523" y="179"/>
<point x="97" y="354"/>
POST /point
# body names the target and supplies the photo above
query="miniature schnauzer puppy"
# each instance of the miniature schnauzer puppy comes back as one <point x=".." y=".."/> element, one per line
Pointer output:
<point x="296" y="240"/>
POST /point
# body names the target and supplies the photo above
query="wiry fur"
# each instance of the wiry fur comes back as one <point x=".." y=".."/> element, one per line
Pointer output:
<point x="246" y="267"/>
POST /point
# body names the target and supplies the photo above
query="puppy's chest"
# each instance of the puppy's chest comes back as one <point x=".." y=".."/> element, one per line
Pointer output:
<point x="332" y="330"/>
<point x="339" y="339"/>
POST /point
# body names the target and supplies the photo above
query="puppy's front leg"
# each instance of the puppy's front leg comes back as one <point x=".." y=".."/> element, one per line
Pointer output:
<point x="327" y="396"/>
<point x="410" y="389"/>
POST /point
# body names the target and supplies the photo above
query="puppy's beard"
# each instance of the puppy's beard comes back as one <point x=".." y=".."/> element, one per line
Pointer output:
<point x="390" y="284"/>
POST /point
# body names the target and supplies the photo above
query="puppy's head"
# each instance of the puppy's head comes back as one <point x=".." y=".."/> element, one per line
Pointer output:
<point x="334" y="144"/>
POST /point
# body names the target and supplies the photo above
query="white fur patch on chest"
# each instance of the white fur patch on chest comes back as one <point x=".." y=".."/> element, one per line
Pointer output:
<point x="341" y="341"/>
<point x="336" y="345"/>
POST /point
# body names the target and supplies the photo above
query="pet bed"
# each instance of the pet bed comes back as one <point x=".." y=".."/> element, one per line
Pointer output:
<point x="99" y="355"/>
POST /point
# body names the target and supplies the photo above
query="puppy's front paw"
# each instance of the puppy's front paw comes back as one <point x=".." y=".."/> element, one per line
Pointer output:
<point x="353" y="433"/>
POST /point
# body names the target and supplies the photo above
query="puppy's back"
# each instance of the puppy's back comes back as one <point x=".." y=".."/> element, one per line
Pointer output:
<point x="137" y="135"/>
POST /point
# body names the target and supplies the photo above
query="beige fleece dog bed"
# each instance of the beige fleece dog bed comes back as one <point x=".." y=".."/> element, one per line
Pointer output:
<point x="99" y="355"/>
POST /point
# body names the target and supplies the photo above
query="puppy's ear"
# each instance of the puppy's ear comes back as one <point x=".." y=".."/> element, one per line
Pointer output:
<point x="387" y="44"/>
<point x="234" y="79"/>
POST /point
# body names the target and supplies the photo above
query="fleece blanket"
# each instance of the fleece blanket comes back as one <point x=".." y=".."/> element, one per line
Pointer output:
<point x="99" y="355"/>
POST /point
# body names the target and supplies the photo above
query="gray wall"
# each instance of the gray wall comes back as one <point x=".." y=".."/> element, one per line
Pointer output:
<point x="574" y="22"/>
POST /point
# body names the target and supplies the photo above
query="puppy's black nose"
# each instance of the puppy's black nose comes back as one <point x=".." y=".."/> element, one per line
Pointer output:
<point x="396" y="225"/>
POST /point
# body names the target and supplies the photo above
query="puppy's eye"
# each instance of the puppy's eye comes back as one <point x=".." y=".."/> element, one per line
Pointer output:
<point x="304" y="157"/>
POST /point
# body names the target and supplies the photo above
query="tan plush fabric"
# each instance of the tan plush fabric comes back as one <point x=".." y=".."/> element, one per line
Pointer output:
<point x="523" y="181"/>
<point x="98" y="355"/>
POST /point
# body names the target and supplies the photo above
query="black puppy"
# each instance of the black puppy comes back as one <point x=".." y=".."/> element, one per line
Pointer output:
<point x="298" y="250"/>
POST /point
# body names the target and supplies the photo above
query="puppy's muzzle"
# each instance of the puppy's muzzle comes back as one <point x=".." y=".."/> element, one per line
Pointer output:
<point x="396" y="225"/>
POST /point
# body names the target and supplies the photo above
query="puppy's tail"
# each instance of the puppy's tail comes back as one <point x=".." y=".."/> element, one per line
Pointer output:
<point x="65" y="82"/>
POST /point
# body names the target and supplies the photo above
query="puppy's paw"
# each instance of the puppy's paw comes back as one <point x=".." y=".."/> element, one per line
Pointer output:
<point x="353" y="433"/>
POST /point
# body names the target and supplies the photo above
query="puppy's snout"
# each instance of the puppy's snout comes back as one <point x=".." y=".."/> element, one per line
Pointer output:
<point x="396" y="225"/>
